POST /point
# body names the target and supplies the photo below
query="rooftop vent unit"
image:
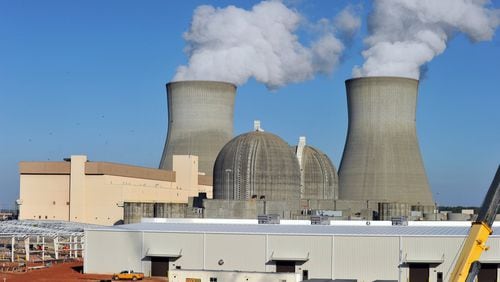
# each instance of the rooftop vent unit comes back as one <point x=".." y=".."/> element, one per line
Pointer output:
<point x="268" y="219"/>
<point x="399" y="221"/>
<point x="327" y="213"/>
<point x="320" y="220"/>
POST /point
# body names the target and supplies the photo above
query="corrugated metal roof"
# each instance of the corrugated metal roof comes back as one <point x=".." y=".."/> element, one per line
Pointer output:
<point x="299" y="229"/>
<point x="42" y="227"/>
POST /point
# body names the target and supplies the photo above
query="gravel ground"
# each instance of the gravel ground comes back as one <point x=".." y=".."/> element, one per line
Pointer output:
<point x="68" y="271"/>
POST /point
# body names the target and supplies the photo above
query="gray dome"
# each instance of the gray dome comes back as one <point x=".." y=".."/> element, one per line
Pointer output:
<point x="256" y="164"/>
<point x="319" y="178"/>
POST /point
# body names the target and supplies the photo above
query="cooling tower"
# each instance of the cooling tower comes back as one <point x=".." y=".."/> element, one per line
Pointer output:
<point x="200" y="121"/>
<point x="381" y="159"/>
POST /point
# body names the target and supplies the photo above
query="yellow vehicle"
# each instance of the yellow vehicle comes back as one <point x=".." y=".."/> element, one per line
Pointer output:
<point x="468" y="266"/>
<point x="128" y="275"/>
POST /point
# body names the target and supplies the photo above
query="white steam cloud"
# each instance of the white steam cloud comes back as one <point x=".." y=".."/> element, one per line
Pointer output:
<point x="407" y="34"/>
<point x="232" y="44"/>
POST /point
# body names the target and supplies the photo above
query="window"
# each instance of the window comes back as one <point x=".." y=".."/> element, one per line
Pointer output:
<point x="213" y="279"/>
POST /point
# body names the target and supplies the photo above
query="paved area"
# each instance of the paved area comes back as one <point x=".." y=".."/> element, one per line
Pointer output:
<point x="68" y="271"/>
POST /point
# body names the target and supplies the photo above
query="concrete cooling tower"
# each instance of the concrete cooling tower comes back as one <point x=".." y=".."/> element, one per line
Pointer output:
<point x="200" y="121"/>
<point x="256" y="165"/>
<point x="381" y="159"/>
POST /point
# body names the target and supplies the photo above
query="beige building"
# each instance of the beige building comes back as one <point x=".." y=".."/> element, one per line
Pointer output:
<point x="94" y="192"/>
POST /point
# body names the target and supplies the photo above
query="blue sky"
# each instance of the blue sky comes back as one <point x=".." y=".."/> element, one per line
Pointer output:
<point x="88" y="77"/>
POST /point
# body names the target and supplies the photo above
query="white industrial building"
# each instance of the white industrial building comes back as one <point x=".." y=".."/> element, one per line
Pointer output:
<point x="243" y="250"/>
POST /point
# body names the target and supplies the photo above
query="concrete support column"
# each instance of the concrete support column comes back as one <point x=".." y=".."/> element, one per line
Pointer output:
<point x="74" y="246"/>
<point x="27" y="248"/>
<point x="56" y="247"/>
<point x="13" y="247"/>
<point x="43" y="249"/>
<point x="82" y="246"/>
<point x="77" y="247"/>
<point x="70" y="246"/>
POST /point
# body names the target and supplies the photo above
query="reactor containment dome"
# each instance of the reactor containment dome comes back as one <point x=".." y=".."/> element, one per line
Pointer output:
<point x="318" y="177"/>
<point x="256" y="165"/>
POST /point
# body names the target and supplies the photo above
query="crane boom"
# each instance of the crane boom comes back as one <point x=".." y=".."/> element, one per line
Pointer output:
<point x="481" y="229"/>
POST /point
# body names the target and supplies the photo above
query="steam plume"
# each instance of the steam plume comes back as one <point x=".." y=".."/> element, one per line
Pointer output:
<point x="233" y="44"/>
<point x="407" y="34"/>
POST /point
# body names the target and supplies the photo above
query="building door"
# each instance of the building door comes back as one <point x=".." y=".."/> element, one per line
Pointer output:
<point x="159" y="266"/>
<point x="419" y="272"/>
<point x="488" y="273"/>
<point x="285" y="266"/>
<point x="305" y="274"/>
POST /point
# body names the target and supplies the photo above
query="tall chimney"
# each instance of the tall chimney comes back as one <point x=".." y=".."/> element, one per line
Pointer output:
<point x="381" y="159"/>
<point x="200" y="121"/>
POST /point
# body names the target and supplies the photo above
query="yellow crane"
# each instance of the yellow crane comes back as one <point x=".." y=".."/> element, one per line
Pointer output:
<point x="468" y="266"/>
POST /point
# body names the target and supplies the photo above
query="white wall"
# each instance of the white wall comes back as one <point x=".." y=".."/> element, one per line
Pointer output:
<point x="366" y="258"/>
<point x="318" y="250"/>
<point x="190" y="246"/>
<point x="178" y="275"/>
<point x="238" y="251"/>
<point x="109" y="252"/>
